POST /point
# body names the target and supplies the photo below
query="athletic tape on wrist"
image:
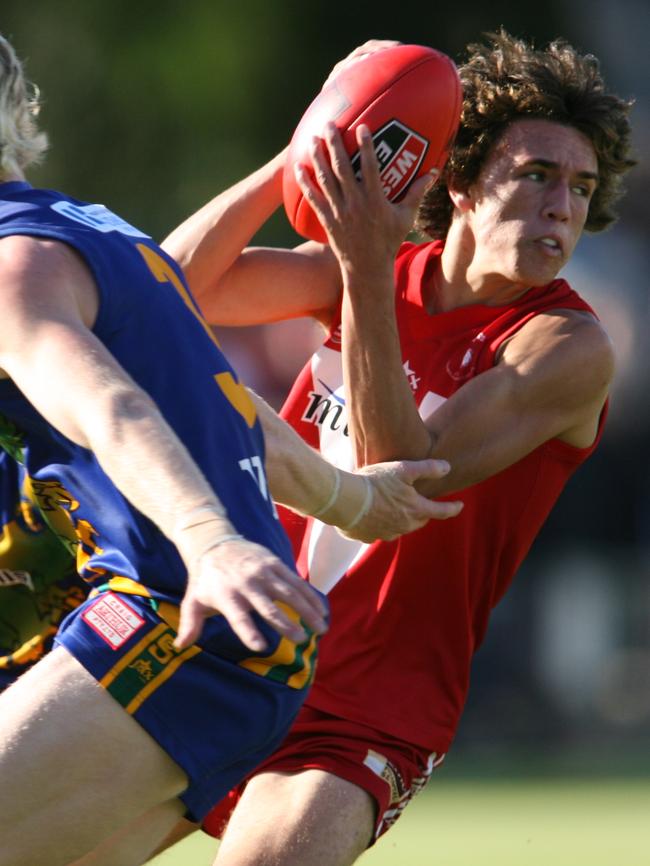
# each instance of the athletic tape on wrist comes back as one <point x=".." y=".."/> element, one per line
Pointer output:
<point x="334" y="495"/>
<point x="233" y="536"/>
<point x="365" y="506"/>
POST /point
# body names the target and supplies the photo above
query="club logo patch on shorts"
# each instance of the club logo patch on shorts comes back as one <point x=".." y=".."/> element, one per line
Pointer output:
<point x="113" y="620"/>
<point x="387" y="771"/>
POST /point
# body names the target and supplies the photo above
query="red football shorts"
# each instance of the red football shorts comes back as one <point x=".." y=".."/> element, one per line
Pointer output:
<point x="390" y="770"/>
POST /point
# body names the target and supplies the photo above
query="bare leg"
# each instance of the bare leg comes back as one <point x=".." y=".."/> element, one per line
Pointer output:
<point x="311" y="818"/>
<point x="181" y="830"/>
<point x="80" y="767"/>
<point x="135" y="844"/>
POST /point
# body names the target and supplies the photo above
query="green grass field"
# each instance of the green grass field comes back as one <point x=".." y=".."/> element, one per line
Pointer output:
<point x="503" y="823"/>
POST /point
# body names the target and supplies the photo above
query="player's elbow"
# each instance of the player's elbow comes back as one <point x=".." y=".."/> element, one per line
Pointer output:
<point x="414" y="448"/>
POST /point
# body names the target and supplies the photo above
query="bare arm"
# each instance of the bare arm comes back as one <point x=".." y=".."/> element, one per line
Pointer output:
<point x="239" y="286"/>
<point x="46" y="347"/>
<point x="380" y="503"/>
<point x="243" y="286"/>
<point x="551" y="379"/>
<point x="50" y="353"/>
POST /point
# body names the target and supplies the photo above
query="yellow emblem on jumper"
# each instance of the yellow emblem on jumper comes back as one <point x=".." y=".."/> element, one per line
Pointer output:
<point x="238" y="397"/>
<point x="236" y="393"/>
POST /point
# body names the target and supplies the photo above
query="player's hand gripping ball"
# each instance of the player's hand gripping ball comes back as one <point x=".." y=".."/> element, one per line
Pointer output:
<point x="410" y="98"/>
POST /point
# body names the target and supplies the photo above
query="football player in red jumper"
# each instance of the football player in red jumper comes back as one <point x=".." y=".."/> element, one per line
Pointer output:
<point x="467" y="347"/>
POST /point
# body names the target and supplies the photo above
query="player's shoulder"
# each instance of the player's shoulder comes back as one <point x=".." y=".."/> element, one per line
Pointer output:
<point x="564" y="345"/>
<point x="42" y="277"/>
<point x="16" y="249"/>
<point x="21" y="251"/>
<point x="32" y="261"/>
<point x="579" y="329"/>
<point x="24" y="265"/>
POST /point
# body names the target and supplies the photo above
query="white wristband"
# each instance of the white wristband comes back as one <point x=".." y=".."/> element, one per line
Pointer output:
<point x="233" y="536"/>
<point x="334" y="495"/>
<point x="197" y="516"/>
<point x="365" y="506"/>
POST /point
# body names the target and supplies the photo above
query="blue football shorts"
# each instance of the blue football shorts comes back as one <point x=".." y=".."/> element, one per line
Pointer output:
<point x="216" y="710"/>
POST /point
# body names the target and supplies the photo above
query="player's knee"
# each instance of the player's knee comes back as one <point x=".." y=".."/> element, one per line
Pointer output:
<point x="311" y="818"/>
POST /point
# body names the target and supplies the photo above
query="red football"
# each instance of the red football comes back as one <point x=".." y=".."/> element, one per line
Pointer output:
<point x="410" y="98"/>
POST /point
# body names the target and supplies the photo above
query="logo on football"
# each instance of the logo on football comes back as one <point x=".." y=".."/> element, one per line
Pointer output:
<point x="414" y="83"/>
<point x="400" y="152"/>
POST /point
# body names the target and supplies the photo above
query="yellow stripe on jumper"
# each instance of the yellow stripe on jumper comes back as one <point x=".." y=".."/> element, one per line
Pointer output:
<point x="164" y="273"/>
<point x="234" y="391"/>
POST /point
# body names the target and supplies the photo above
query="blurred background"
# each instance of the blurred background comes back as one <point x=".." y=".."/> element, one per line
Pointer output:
<point x="153" y="107"/>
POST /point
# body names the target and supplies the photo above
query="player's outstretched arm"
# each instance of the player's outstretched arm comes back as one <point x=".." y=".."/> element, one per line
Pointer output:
<point x="240" y="285"/>
<point x="381" y="502"/>
<point x="237" y="285"/>
<point x="49" y="351"/>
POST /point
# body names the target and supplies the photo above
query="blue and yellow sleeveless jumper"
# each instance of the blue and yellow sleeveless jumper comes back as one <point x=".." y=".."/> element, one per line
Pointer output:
<point x="215" y="709"/>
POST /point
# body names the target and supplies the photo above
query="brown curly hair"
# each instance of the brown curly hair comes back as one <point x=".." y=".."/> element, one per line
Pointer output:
<point x="509" y="79"/>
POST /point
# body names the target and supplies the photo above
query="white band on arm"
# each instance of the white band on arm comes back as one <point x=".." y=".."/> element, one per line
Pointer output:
<point x="334" y="495"/>
<point x="365" y="506"/>
<point x="233" y="536"/>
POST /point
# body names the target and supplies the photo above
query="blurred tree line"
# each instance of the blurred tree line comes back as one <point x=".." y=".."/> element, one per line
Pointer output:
<point x="152" y="107"/>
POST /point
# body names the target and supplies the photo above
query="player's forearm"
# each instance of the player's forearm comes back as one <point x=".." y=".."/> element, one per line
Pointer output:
<point x="301" y="479"/>
<point x="383" y="417"/>
<point x="209" y="241"/>
<point x="151" y="467"/>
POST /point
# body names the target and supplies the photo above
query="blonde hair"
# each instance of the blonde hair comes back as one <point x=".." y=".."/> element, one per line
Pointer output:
<point x="21" y="142"/>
